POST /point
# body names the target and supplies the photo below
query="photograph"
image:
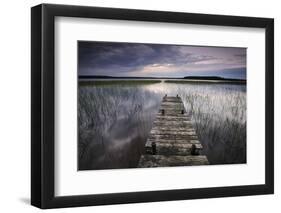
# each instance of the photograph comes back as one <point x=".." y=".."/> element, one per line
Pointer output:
<point x="148" y="105"/>
<point x="143" y="105"/>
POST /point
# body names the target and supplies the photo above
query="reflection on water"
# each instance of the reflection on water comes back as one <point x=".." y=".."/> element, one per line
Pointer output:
<point x="115" y="120"/>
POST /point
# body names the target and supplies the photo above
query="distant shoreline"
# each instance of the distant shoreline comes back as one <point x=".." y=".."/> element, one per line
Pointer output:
<point x="126" y="82"/>
<point x="187" y="79"/>
<point x="202" y="81"/>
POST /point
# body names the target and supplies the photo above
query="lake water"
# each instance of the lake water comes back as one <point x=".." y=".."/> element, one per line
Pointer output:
<point x="115" y="120"/>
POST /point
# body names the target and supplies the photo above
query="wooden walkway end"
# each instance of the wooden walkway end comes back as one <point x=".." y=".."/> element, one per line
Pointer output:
<point x="172" y="140"/>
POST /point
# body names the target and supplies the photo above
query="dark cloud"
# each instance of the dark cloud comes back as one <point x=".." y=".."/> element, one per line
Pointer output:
<point x="112" y="58"/>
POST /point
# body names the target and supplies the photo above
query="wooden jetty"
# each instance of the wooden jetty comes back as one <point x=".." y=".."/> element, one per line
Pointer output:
<point x="172" y="140"/>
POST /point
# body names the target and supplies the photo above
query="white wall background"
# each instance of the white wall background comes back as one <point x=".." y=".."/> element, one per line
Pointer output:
<point x="15" y="105"/>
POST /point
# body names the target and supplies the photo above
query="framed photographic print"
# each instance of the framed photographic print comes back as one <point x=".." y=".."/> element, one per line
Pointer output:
<point x="140" y="106"/>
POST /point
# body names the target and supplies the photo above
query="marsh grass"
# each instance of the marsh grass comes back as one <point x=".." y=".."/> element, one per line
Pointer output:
<point x="115" y="120"/>
<point x="219" y="118"/>
<point x="114" y="123"/>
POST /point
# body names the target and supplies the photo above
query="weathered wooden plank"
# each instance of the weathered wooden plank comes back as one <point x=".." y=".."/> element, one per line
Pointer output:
<point x="173" y="126"/>
<point x="173" y="140"/>
<point x="164" y="122"/>
<point x="176" y="117"/>
<point x="172" y="123"/>
<point x="175" y="137"/>
<point x="167" y="129"/>
<point x="175" y="106"/>
<point x="176" y="113"/>
<point x="150" y="140"/>
<point x="173" y="149"/>
<point x="173" y="120"/>
<point x="174" y="160"/>
<point x="173" y="132"/>
<point x="172" y="107"/>
<point x="170" y="104"/>
<point x="179" y="115"/>
<point x="172" y="100"/>
<point x="179" y="145"/>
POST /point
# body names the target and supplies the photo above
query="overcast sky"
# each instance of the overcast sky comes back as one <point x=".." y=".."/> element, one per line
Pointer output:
<point x="159" y="60"/>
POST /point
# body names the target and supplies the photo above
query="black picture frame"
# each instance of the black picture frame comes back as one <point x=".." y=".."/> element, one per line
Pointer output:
<point x="43" y="102"/>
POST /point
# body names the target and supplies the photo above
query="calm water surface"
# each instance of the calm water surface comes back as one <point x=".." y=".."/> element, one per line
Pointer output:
<point x="115" y="121"/>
